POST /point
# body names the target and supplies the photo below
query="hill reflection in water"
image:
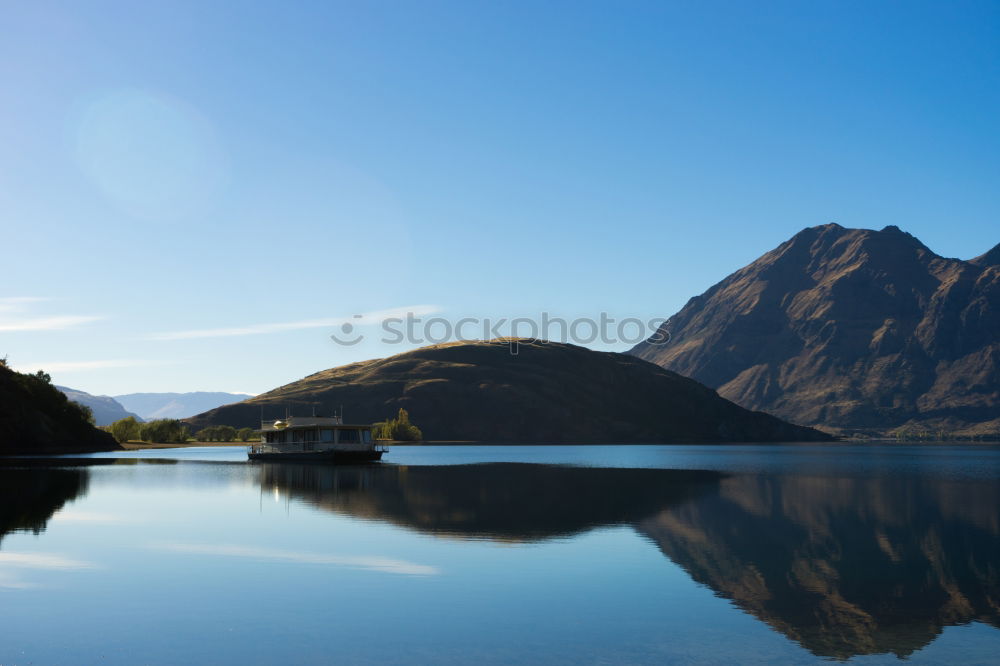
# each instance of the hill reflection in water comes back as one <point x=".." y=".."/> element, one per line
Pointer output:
<point x="29" y="497"/>
<point x="843" y="566"/>
<point x="500" y="501"/>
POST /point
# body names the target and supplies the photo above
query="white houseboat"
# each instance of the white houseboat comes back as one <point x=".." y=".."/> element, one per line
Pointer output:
<point x="315" y="438"/>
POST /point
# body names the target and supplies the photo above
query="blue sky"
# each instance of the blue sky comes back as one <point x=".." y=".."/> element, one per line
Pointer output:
<point x="262" y="171"/>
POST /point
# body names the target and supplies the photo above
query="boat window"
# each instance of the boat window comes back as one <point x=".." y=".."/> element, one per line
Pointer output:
<point x="366" y="435"/>
<point x="326" y="435"/>
<point x="349" y="436"/>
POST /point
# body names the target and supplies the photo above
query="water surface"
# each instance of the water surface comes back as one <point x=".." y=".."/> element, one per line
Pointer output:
<point x="563" y="554"/>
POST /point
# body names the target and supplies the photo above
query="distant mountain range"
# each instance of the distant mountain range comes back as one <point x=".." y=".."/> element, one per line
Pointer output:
<point x="548" y="392"/>
<point x="850" y="329"/>
<point x="176" y="405"/>
<point x="106" y="409"/>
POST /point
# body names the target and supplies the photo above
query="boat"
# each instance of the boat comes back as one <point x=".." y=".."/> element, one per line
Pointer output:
<point x="315" y="439"/>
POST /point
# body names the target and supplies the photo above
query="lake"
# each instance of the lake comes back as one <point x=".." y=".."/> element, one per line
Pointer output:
<point x="519" y="554"/>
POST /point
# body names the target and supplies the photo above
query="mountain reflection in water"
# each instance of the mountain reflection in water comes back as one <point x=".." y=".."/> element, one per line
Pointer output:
<point x="843" y="566"/>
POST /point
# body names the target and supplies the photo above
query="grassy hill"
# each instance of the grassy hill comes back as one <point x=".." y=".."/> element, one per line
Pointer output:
<point x="548" y="392"/>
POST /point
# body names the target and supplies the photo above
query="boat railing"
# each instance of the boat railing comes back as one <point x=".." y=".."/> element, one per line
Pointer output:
<point x="302" y="447"/>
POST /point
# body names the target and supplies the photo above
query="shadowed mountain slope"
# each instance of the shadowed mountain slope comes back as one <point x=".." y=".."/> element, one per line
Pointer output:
<point x="548" y="392"/>
<point x="849" y="329"/>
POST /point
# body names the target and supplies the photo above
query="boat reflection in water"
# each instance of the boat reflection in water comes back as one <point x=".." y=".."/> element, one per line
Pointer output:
<point x="843" y="566"/>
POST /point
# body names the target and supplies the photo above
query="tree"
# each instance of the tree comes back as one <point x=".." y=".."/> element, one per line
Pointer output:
<point x="124" y="430"/>
<point x="163" y="431"/>
<point x="399" y="428"/>
<point x="246" y="434"/>
<point x="86" y="412"/>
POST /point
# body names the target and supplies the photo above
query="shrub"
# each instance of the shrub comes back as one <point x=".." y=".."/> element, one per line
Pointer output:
<point x="124" y="430"/>
<point x="163" y="431"/>
<point x="222" y="433"/>
<point x="399" y="428"/>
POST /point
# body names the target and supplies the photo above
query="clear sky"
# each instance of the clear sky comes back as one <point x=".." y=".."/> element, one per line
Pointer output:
<point x="261" y="170"/>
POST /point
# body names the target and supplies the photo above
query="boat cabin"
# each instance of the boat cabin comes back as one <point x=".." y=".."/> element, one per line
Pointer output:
<point x="316" y="431"/>
<point x="325" y="438"/>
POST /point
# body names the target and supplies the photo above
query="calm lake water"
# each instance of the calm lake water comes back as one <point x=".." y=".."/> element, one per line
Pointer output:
<point x="527" y="554"/>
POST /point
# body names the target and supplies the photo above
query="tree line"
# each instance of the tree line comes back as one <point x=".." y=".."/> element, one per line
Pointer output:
<point x="172" y="431"/>
<point x="224" y="433"/>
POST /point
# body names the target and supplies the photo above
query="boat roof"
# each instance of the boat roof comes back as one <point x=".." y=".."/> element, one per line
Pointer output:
<point x="293" y="422"/>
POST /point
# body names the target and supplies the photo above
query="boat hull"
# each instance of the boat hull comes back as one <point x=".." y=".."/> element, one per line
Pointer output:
<point x="326" y="457"/>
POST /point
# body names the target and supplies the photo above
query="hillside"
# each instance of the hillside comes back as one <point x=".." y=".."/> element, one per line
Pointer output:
<point x="549" y="392"/>
<point x="151" y="406"/>
<point x="849" y="329"/>
<point x="106" y="410"/>
<point x="35" y="417"/>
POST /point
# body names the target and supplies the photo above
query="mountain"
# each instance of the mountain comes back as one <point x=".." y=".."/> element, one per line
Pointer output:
<point x="849" y="329"/>
<point x="35" y="417"/>
<point x="106" y="410"/>
<point x="547" y="392"/>
<point x="176" y="405"/>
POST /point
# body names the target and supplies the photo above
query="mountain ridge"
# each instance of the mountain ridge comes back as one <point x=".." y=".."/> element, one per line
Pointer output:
<point x="176" y="405"/>
<point x="106" y="410"/>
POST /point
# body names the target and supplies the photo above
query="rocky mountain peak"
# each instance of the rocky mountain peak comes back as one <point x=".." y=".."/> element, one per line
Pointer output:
<point x="848" y="328"/>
